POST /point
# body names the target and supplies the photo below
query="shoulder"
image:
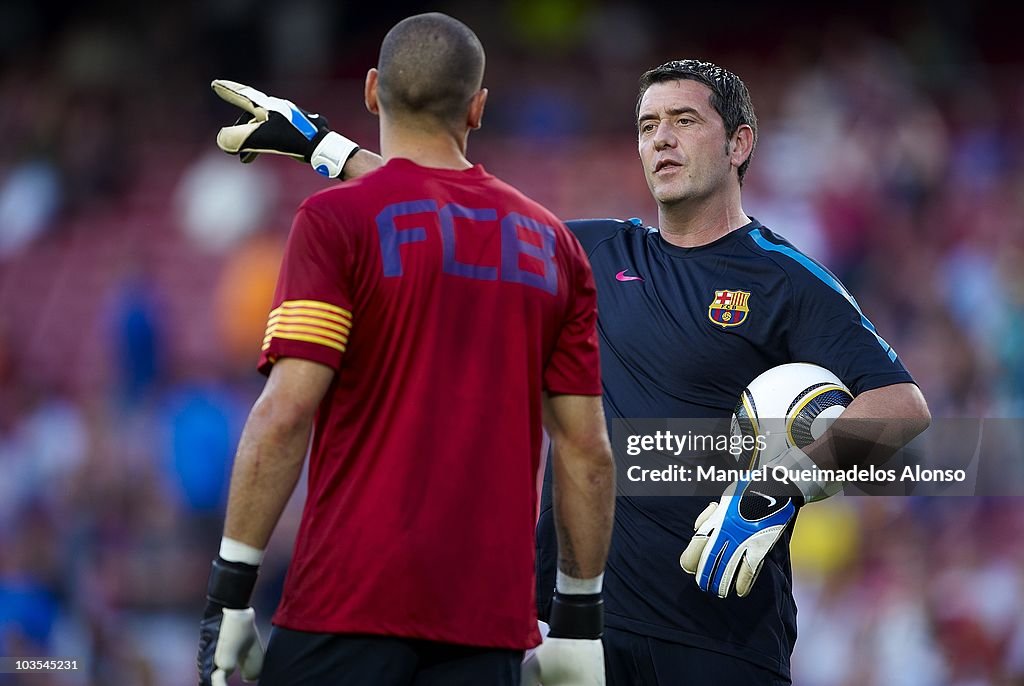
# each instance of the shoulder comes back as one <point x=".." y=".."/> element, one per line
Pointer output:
<point x="344" y="194"/>
<point x="513" y="200"/>
<point x="808" y="276"/>
<point x="787" y="257"/>
<point x="344" y="206"/>
<point x="330" y="217"/>
<point x="593" y="232"/>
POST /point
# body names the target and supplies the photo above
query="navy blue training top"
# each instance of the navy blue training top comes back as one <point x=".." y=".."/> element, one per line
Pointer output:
<point x="682" y="333"/>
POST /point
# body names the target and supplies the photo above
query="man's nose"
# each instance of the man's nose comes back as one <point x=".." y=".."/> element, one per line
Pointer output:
<point x="663" y="137"/>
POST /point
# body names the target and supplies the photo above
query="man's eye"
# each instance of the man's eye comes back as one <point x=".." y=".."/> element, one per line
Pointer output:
<point x="685" y="121"/>
<point x="647" y="127"/>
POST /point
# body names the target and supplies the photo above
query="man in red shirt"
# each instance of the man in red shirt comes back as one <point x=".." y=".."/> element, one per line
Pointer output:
<point x="426" y="317"/>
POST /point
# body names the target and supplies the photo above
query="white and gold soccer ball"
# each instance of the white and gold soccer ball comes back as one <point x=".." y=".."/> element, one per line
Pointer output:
<point x="791" y="405"/>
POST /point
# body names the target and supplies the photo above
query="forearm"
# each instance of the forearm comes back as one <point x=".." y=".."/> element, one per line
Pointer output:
<point x="870" y="431"/>
<point x="584" y="505"/>
<point x="267" y="467"/>
<point x="363" y="162"/>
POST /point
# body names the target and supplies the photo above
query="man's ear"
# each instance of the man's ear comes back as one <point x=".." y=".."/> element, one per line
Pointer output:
<point x="742" y="145"/>
<point x="475" y="116"/>
<point x="370" y="92"/>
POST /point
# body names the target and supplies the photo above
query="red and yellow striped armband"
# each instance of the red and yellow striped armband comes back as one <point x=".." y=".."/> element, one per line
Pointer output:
<point x="311" y="321"/>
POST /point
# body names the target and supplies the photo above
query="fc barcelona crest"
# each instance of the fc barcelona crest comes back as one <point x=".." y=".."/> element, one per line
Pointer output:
<point x="729" y="308"/>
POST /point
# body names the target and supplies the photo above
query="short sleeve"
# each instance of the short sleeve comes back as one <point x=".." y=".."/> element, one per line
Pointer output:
<point x="590" y="232"/>
<point x="574" y="366"/>
<point x="831" y="330"/>
<point x="312" y="309"/>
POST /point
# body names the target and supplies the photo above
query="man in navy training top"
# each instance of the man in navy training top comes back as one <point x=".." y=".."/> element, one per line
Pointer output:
<point x="668" y="351"/>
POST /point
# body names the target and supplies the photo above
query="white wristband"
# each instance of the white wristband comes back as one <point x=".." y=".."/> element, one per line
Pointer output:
<point x="236" y="551"/>
<point x="331" y="154"/>
<point x="573" y="586"/>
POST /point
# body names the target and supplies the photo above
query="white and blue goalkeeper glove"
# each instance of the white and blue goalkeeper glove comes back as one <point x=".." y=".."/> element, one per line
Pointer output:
<point x="734" y="536"/>
<point x="228" y="638"/>
<point x="572" y="653"/>
<point x="280" y="127"/>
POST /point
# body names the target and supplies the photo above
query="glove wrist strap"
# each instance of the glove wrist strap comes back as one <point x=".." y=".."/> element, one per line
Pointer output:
<point x="231" y="583"/>
<point x="331" y="154"/>
<point x="796" y="460"/>
<point x="576" y="616"/>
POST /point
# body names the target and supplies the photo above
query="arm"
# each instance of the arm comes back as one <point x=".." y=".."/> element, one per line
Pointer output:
<point x="267" y="466"/>
<point x="363" y="162"/>
<point x="583" y="482"/>
<point x="273" y="448"/>
<point x="280" y="127"/>
<point x="584" y="503"/>
<point x="742" y="528"/>
<point x="875" y="425"/>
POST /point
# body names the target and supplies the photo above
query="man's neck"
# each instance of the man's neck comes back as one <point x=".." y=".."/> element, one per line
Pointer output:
<point x="435" y="149"/>
<point x="699" y="222"/>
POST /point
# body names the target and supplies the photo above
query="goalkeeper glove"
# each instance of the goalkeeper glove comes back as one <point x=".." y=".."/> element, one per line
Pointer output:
<point x="228" y="638"/>
<point x="734" y="536"/>
<point x="571" y="654"/>
<point x="280" y="127"/>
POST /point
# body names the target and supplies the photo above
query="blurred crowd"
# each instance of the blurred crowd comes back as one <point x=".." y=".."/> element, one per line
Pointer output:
<point x="137" y="265"/>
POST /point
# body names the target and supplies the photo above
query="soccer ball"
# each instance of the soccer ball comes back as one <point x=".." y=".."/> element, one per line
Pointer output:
<point x="792" y="403"/>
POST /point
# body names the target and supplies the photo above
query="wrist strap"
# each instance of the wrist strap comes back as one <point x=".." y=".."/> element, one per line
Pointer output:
<point x="577" y="616"/>
<point x="331" y="154"/>
<point x="795" y="460"/>
<point x="231" y="583"/>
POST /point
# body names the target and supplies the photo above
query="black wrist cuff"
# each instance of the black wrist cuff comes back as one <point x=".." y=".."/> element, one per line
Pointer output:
<point x="783" y="488"/>
<point x="576" y="616"/>
<point x="231" y="583"/>
<point x="762" y="499"/>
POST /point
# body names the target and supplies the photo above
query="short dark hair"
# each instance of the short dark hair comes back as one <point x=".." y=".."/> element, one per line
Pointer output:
<point x="430" y="66"/>
<point x="729" y="95"/>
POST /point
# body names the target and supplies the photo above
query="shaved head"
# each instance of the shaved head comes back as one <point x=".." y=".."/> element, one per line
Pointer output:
<point x="430" y="66"/>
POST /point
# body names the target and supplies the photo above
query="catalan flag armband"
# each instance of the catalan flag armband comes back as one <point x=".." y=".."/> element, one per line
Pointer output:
<point x="311" y="321"/>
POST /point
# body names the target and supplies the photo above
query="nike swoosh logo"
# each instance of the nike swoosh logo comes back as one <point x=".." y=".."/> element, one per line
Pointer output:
<point x="621" y="276"/>
<point x="771" y="500"/>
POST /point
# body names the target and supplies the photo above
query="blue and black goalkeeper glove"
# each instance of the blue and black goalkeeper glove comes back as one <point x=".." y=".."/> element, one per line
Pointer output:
<point x="280" y="127"/>
<point x="734" y="536"/>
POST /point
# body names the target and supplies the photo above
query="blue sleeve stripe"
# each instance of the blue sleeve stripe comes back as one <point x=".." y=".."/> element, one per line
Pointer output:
<point x="825" y="277"/>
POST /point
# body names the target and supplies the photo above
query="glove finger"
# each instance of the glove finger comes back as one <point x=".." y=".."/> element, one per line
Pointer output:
<point x="746" y="575"/>
<point x="237" y="634"/>
<point x="577" y="662"/>
<point x="252" y="661"/>
<point x="274" y="137"/>
<point x="705" y="516"/>
<point x="245" y="156"/>
<point x="240" y="95"/>
<point x="706" y="562"/>
<point x="731" y="566"/>
<point x="220" y="678"/>
<point x="691" y="556"/>
<point x="231" y="139"/>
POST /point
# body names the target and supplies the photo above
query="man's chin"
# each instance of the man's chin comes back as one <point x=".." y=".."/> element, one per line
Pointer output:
<point x="669" y="195"/>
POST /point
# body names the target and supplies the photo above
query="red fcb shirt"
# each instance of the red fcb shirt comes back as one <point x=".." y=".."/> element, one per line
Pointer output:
<point x="446" y="301"/>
